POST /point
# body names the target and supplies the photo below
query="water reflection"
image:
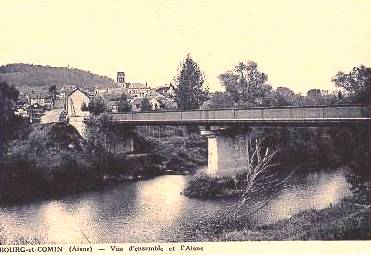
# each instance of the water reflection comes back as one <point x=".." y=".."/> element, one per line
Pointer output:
<point x="153" y="210"/>
<point x="316" y="191"/>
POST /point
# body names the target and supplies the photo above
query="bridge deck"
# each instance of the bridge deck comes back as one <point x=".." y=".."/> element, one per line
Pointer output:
<point x="336" y="115"/>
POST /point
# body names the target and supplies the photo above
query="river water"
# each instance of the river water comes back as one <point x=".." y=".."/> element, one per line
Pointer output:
<point x="153" y="210"/>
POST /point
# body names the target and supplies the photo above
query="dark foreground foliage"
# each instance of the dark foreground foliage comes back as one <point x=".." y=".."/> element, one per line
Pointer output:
<point x="53" y="160"/>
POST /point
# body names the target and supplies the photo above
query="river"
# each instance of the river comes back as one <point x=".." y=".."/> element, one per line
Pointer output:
<point x="152" y="210"/>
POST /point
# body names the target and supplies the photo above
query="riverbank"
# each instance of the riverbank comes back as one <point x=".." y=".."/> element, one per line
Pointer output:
<point x="53" y="160"/>
<point x="128" y="216"/>
<point x="344" y="221"/>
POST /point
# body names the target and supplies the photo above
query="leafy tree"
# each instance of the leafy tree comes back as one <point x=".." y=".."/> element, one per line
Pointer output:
<point x="319" y="97"/>
<point x="356" y="84"/>
<point x="246" y="84"/>
<point x="314" y="97"/>
<point x="96" y="105"/>
<point x="284" y="96"/>
<point x="8" y="97"/>
<point x="188" y="88"/>
<point x="53" y="94"/>
<point x="145" y="105"/>
<point x="124" y="105"/>
<point x="219" y="100"/>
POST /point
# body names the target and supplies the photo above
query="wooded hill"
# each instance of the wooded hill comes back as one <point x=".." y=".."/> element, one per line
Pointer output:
<point x="38" y="78"/>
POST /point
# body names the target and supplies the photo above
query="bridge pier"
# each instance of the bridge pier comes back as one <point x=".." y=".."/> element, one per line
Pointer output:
<point x="227" y="153"/>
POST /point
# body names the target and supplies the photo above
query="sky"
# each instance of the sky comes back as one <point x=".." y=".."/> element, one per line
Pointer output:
<point x="299" y="44"/>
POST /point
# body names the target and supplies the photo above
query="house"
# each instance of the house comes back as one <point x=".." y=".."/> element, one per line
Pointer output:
<point x="22" y="112"/>
<point x="110" y="93"/>
<point x="160" y="101"/>
<point x="165" y="90"/>
<point x="112" y="106"/>
<point x="112" y="97"/>
<point x="37" y="100"/>
<point x="74" y="102"/>
<point x="138" y="90"/>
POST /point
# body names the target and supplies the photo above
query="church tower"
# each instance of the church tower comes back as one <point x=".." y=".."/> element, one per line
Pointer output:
<point x="121" y="79"/>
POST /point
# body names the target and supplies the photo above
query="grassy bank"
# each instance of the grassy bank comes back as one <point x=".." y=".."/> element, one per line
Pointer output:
<point x="14" y="239"/>
<point x="344" y="221"/>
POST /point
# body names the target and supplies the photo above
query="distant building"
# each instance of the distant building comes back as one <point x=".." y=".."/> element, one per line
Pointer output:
<point x="121" y="79"/>
<point x="133" y="89"/>
<point x="74" y="101"/>
<point x="165" y="90"/>
<point x="37" y="99"/>
<point x="138" y="90"/>
<point x="113" y="106"/>
<point x="111" y="97"/>
<point x="22" y="112"/>
<point x="160" y="97"/>
<point x="111" y="93"/>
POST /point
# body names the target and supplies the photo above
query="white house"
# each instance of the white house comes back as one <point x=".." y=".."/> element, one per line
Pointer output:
<point x="74" y="101"/>
<point x="137" y="90"/>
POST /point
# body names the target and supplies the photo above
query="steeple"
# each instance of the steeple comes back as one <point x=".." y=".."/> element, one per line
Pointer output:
<point x="121" y="79"/>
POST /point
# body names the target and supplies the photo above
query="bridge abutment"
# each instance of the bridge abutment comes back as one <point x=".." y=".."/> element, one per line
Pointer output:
<point x="79" y="124"/>
<point x="227" y="152"/>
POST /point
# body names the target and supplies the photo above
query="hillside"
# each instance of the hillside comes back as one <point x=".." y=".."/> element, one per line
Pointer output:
<point x="39" y="78"/>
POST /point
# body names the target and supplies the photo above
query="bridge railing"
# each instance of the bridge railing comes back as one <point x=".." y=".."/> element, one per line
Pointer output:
<point x="323" y="112"/>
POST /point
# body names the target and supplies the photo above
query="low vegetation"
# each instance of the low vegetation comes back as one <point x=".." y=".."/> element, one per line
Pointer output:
<point x="15" y="239"/>
<point x="53" y="159"/>
<point x="344" y="221"/>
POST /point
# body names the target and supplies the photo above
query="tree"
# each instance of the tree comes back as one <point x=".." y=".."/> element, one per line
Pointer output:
<point x="284" y="96"/>
<point x="145" y="105"/>
<point x="318" y="97"/>
<point x="96" y="105"/>
<point x="8" y="98"/>
<point x="124" y="105"/>
<point x="53" y="94"/>
<point x="219" y="100"/>
<point x="188" y="88"/>
<point x="246" y="84"/>
<point x="356" y="84"/>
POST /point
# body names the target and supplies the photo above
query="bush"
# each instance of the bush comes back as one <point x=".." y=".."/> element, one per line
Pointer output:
<point x="203" y="186"/>
<point x="20" y="180"/>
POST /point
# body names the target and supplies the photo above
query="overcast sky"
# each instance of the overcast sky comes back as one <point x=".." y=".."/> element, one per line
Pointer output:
<point x="299" y="44"/>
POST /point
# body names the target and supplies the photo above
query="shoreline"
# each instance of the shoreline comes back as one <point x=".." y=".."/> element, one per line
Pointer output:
<point x="75" y="165"/>
<point x="344" y="221"/>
